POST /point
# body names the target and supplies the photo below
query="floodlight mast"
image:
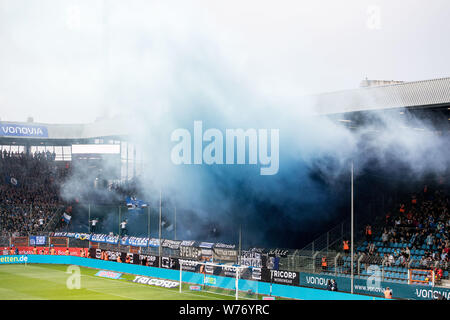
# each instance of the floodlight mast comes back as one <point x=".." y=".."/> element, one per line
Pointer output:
<point x="351" y="231"/>
<point x="159" y="248"/>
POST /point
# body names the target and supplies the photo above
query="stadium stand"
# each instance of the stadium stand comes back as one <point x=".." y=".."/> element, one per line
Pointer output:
<point x="412" y="242"/>
<point x="406" y="244"/>
<point x="29" y="192"/>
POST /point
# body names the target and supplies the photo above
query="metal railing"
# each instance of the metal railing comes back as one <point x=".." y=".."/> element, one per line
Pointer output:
<point x="329" y="241"/>
<point x="51" y="224"/>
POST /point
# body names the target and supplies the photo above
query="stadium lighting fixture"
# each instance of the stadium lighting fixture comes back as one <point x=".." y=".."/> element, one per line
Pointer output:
<point x="344" y="120"/>
<point x="351" y="231"/>
<point x="159" y="248"/>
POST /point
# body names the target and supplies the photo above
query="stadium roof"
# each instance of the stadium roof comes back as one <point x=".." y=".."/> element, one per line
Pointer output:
<point x="403" y="95"/>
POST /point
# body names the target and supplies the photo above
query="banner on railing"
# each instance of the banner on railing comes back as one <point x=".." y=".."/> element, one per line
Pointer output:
<point x="252" y="258"/>
<point x="171" y="244"/>
<point x="225" y="254"/>
<point x="281" y="277"/>
<point x="190" y="252"/>
<point x="60" y="251"/>
<point x="37" y="240"/>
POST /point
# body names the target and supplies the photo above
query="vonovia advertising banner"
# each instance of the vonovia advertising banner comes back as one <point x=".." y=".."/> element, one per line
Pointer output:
<point x="16" y="130"/>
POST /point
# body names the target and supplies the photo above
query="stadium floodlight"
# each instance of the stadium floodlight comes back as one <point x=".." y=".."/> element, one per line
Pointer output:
<point x="351" y="231"/>
<point x="218" y="279"/>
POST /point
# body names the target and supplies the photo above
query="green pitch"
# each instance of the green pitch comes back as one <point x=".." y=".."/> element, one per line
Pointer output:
<point x="42" y="281"/>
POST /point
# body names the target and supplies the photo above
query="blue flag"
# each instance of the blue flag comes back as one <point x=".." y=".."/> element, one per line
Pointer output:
<point x="12" y="181"/>
<point x="133" y="203"/>
<point x="66" y="217"/>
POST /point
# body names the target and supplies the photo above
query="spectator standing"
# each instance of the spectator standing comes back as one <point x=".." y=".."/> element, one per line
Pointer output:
<point x="346" y="246"/>
<point x="388" y="293"/>
<point x="334" y="286"/>
<point x="123" y="227"/>
<point x="369" y="233"/>
<point x="324" y="264"/>
<point x="94" y="225"/>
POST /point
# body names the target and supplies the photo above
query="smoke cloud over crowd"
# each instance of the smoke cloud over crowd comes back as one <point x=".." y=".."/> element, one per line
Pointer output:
<point x="162" y="67"/>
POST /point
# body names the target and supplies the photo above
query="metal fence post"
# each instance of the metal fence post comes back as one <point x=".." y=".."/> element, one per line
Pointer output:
<point x="336" y="263"/>
<point x="328" y="240"/>
<point x="314" y="261"/>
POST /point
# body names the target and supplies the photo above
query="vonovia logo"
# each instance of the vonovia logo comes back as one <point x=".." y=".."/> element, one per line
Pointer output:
<point x="431" y="294"/>
<point x="316" y="281"/>
<point x="213" y="152"/>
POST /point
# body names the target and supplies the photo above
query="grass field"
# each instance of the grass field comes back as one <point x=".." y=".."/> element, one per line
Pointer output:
<point x="48" y="282"/>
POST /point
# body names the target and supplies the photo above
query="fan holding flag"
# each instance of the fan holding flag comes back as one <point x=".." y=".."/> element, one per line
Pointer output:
<point x="133" y="203"/>
<point x="66" y="217"/>
<point x="13" y="181"/>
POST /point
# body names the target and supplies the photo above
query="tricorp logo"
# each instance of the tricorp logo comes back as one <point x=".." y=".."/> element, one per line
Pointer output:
<point x="156" y="282"/>
<point x="284" y="274"/>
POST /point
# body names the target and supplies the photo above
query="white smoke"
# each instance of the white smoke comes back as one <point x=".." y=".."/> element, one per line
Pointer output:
<point x="161" y="66"/>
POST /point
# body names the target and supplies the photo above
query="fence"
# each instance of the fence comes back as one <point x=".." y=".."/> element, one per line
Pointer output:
<point x="339" y="264"/>
<point x="329" y="241"/>
<point x="328" y="262"/>
<point x="143" y="222"/>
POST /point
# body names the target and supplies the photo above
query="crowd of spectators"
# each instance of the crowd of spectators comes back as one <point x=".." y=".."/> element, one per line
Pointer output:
<point x="28" y="191"/>
<point x="423" y="224"/>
